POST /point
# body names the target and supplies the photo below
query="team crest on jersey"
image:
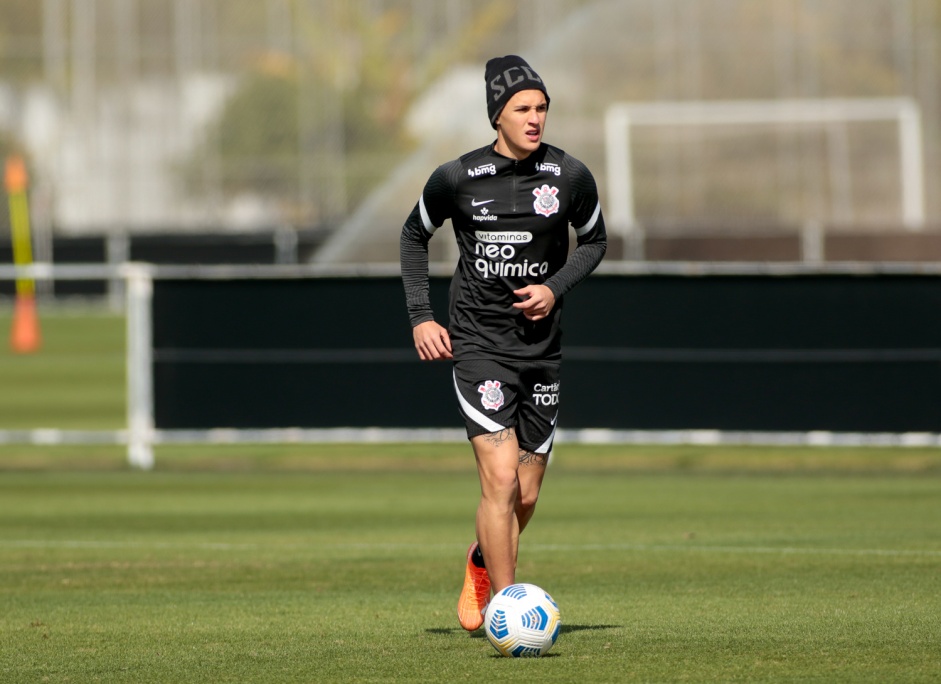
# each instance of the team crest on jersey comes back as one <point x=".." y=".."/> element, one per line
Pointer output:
<point x="492" y="395"/>
<point x="546" y="201"/>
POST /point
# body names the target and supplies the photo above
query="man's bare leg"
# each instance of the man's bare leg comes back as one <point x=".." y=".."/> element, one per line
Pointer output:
<point x="510" y="479"/>
<point x="497" y="525"/>
<point x="531" y="472"/>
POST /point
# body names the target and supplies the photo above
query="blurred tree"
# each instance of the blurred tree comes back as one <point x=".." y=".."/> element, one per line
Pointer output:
<point x="335" y="102"/>
<point x="256" y="135"/>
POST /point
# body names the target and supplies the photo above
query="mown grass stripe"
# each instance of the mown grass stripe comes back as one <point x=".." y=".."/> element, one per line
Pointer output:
<point x="529" y="548"/>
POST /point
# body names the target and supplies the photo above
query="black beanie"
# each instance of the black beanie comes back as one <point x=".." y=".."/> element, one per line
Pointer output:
<point x="505" y="77"/>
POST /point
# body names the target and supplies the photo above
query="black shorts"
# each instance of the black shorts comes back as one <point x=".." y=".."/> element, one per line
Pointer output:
<point x="496" y="395"/>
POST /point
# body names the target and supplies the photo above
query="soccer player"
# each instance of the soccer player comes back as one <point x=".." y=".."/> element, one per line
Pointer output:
<point x="510" y="204"/>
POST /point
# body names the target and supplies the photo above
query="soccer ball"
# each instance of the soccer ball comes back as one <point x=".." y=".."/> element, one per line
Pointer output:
<point x="522" y="620"/>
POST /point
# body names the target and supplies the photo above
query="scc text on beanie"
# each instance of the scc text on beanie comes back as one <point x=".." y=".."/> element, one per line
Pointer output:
<point x="505" y="77"/>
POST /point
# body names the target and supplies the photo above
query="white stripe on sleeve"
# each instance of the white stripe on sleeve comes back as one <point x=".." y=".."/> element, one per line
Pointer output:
<point x="430" y="227"/>
<point x="591" y="222"/>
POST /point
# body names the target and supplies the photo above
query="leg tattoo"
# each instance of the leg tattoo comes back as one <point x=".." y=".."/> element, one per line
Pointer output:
<point x="498" y="438"/>
<point x="532" y="458"/>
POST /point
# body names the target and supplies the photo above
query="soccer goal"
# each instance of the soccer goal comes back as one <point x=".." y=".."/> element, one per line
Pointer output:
<point x="766" y="119"/>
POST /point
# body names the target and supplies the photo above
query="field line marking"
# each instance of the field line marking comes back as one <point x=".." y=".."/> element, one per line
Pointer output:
<point x="783" y="550"/>
<point x="393" y="546"/>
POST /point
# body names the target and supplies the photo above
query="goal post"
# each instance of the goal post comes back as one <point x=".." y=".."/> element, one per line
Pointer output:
<point x="622" y="118"/>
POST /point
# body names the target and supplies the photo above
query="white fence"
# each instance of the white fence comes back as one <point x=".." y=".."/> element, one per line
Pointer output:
<point x="141" y="435"/>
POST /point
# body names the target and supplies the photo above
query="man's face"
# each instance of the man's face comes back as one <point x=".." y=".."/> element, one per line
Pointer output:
<point x="521" y="124"/>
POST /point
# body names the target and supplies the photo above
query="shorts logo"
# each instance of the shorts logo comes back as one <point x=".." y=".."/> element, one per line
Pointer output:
<point x="546" y="395"/>
<point x="492" y="394"/>
<point x="546" y="202"/>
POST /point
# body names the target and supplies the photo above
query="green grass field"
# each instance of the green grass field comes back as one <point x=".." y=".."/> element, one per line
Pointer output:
<point x="268" y="568"/>
<point x="75" y="381"/>
<point x="342" y="563"/>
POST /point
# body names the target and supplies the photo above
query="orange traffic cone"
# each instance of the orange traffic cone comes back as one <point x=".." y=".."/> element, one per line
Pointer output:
<point x="24" y="336"/>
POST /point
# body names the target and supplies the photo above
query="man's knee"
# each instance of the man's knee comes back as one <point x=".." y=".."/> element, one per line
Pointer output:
<point x="527" y="502"/>
<point x="502" y="480"/>
<point x="496" y="464"/>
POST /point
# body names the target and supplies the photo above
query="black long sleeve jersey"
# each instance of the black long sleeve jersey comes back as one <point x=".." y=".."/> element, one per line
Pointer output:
<point x="511" y="222"/>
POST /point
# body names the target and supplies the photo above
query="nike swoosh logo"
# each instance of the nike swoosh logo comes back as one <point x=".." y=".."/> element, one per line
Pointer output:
<point x="475" y="203"/>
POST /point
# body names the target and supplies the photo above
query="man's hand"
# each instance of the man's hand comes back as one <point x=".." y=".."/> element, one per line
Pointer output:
<point x="432" y="341"/>
<point x="538" y="301"/>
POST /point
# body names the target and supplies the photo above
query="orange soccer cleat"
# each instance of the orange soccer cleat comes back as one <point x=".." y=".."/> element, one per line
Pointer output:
<point x="475" y="595"/>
